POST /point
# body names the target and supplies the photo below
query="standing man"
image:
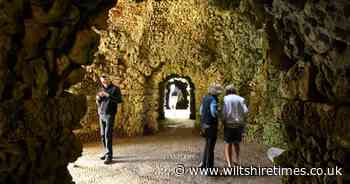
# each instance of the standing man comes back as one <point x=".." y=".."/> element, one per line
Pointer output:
<point x="234" y="118"/>
<point x="209" y="124"/>
<point x="107" y="100"/>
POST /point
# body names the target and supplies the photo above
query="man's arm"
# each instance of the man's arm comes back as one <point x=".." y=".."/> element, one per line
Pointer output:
<point x="98" y="98"/>
<point x="213" y="108"/>
<point x="98" y="103"/>
<point x="224" y="110"/>
<point x="244" y="106"/>
<point x="115" y="95"/>
<point x="245" y="111"/>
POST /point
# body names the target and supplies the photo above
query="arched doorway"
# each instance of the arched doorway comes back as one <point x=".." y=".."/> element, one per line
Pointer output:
<point x="176" y="98"/>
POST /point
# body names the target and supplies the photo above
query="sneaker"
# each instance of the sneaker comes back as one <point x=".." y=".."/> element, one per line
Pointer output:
<point x="200" y="165"/>
<point x="108" y="161"/>
<point x="103" y="157"/>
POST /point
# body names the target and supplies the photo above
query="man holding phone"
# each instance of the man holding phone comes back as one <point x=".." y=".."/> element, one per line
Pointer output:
<point x="107" y="100"/>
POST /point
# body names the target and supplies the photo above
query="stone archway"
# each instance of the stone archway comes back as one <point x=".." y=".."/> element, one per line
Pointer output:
<point x="163" y="95"/>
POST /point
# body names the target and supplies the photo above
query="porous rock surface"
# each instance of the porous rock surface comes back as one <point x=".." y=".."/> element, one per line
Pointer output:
<point x="42" y="47"/>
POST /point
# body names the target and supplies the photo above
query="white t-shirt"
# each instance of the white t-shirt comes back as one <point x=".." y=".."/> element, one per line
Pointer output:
<point x="234" y="109"/>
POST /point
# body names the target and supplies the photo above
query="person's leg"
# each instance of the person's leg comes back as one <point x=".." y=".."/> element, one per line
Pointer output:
<point x="237" y="149"/>
<point x="205" y="151"/>
<point x="237" y="134"/>
<point x="228" y="146"/>
<point x="102" y="133"/>
<point x="228" y="154"/>
<point x="109" y="136"/>
<point x="212" y="134"/>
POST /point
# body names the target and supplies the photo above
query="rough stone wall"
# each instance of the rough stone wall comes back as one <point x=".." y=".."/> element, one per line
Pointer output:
<point x="144" y="44"/>
<point x="315" y="84"/>
<point x="308" y="68"/>
<point x="42" y="47"/>
<point x="294" y="70"/>
<point x="150" y="40"/>
<point x="289" y="59"/>
<point x="237" y="50"/>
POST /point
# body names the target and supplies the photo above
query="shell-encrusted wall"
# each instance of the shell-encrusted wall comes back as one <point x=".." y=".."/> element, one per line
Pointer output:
<point x="43" y="45"/>
<point x="150" y="40"/>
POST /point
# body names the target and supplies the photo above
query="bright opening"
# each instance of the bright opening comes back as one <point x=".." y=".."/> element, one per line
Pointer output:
<point x="177" y="99"/>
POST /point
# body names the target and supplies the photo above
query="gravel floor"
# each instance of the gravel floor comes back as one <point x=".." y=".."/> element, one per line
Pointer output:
<point x="153" y="159"/>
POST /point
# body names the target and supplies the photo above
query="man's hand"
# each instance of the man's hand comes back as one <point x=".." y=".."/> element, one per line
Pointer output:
<point x="103" y="94"/>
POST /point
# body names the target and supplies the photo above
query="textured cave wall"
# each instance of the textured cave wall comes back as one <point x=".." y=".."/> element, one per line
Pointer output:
<point x="290" y="59"/>
<point x="148" y="41"/>
<point x="237" y="49"/>
<point x="315" y="37"/>
<point x="308" y="70"/>
<point x="43" y="45"/>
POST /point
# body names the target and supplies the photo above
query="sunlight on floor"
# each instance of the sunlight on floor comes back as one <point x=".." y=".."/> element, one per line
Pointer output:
<point x="177" y="114"/>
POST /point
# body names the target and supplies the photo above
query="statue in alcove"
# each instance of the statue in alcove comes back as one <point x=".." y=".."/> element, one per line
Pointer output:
<point x="182" y="93"/>
<point x="175" y="95"/>
<point x="182" y="102"/>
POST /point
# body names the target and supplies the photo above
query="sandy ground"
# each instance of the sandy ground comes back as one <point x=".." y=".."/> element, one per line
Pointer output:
<point x="154" y="159"/>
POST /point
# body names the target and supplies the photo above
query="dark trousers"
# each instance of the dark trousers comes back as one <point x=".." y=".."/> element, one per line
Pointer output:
<point x="208" y="153"/>
<point x="106" y="127"/>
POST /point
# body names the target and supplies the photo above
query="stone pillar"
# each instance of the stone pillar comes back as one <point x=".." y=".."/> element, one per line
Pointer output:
<point x="42" y="47"/>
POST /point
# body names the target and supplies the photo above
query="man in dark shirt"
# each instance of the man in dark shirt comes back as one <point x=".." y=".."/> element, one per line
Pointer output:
<point x="209" y="124"/>
<point x="107" y="100"/>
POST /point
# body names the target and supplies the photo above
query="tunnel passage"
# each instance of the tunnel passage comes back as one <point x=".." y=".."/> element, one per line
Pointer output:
<point x="297" y="74"/>
<point x="186" y="95"/>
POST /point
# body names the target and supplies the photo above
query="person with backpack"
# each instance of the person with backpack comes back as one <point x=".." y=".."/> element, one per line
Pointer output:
<point x="107" y="100"/>
<point x="209" y="124"/>
<point x="234" y="119"/>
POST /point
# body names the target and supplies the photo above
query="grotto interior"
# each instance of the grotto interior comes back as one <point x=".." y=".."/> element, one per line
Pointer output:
<point x="289" y="59"/>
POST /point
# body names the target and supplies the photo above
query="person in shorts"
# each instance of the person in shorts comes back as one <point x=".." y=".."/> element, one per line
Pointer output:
<point x="234" y="118"/>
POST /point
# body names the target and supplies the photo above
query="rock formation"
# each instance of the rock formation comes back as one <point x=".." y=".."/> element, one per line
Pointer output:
<point x="308" y="58"/>
<point x="42" y="49"/>
<point x="149" y="41"/>
<point x="290" y="59"/>
<point x="315" y="85"/>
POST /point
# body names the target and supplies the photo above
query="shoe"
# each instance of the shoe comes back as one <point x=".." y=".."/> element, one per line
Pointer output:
<point x="108" y="161"/>
<point x="235" y="163"/>
<point x="209" y="174"/>
<point x="201" y="165"/>
<point x="103" y="157"/>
